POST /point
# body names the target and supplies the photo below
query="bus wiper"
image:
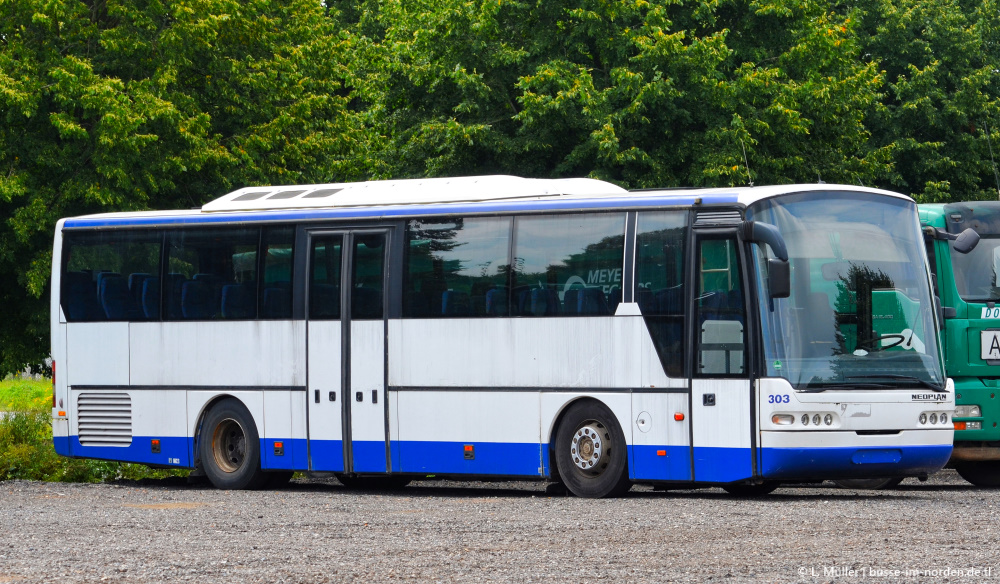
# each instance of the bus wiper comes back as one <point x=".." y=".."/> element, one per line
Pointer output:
<point x="921" y="382"/>
<point x="821" y="387"/>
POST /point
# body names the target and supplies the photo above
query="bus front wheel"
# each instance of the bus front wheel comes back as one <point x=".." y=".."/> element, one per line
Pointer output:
<point x="590" y="452"/>
<point x="981" y="474"/>
<point x="230" y="447"/>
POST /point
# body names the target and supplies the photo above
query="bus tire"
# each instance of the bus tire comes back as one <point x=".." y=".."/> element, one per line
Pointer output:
<point x="758" y="490"/>
<point x="981" y="474"/>
<point x="230" y="447"/>
<point x="869" y="484"/>
<point x="389" y="483"/>
<point x="591" y="452"/>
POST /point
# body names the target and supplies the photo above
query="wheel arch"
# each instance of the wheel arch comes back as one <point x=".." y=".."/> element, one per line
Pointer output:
<point x="203" y="413"/>
<point x="560" y="415"/>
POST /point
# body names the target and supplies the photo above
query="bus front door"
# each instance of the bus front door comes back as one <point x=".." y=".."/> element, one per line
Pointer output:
<point x="346" y="364"/>
<point x="721" y="404"/>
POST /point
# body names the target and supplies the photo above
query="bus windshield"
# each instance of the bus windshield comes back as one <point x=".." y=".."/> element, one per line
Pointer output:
<point x="860" y="314"/>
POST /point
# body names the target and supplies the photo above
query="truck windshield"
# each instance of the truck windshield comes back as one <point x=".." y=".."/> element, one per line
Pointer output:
<point x="860" y="314"/>
<point x="976" y="272"/>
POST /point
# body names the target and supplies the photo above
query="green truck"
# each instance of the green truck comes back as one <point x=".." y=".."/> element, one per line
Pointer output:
<point x="968" y="286"/>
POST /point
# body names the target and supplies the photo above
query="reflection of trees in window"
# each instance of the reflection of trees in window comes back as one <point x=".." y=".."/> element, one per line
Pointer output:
<point x="853" y="305"/>
<point x="451" y="265"/>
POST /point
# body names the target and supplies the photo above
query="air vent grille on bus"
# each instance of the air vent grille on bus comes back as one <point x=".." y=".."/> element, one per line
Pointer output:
<point x="105" y="419"/>
<point x="708" y="218"/>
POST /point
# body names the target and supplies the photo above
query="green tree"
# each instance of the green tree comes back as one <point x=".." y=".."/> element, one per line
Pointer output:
<point x="132" y="104"/>
<point x="644" y="94"/>
<point x="940" y="117"/>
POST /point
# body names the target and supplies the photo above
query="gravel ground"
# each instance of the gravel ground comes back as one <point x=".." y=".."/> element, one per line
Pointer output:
<point x="317" y="531"/>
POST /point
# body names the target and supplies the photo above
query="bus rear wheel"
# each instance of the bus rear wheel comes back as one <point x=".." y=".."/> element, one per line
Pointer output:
<point x="230" y="447"/>
<point x="590" y="452"/>
<point x="981" y="474"/>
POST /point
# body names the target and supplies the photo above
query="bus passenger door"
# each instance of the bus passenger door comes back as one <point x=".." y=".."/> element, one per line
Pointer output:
<point x="721" y="398"/>
<point x="348" y="426"/>
<point x="324" y="364"/>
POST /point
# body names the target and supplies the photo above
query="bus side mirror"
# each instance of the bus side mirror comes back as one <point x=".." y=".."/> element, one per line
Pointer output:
<point x="966" y="241"/>
<point x="779" y="281"/>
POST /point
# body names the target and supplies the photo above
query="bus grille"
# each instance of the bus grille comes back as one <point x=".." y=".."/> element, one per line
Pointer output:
<point x="105" y="419"/>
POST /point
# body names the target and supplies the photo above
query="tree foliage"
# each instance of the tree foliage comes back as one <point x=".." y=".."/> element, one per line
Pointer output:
<point x="130" y="104"/>
<point x="119" y="105"/>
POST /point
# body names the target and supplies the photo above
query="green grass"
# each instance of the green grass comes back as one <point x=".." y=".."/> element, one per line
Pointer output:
<point x="26" y="450"/>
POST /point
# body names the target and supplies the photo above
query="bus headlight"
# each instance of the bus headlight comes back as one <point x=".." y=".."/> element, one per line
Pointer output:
<point x="968" y="412"/>
<point x="828" y="419"/>
<point x="944" y="418"/>
<point x="816" y="420"/>
<point x="923" y="418"/>
<point x="933" y="418"/>
<point x="782" y="419"/>
<point x="805" y="419"/>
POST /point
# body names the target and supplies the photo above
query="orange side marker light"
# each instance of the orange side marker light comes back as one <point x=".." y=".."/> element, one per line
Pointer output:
<point x="679" y="417"/>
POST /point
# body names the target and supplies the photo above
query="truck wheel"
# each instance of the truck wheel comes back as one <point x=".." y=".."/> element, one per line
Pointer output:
<point x="981" y="474"/>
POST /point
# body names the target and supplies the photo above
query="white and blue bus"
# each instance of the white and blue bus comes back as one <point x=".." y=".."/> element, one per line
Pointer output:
<point x="501" y="327"/>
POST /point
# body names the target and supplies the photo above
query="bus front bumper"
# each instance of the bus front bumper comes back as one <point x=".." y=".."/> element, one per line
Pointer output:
<point x="839" y="455"/>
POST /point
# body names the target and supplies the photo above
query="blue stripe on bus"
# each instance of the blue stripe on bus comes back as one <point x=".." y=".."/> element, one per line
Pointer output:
<point x="491" y="458"/>
<point x="839" y="462"/>
<point x="294" y="457"/>
<point x="326" y="455"/>
<point x="140" y="450"/>
<point x="405" y="210"/>
<point x="646" y="464"/>
<point x="368" y="456"/>
<point x="722" y="465"/>
<point x="712" y="465"/>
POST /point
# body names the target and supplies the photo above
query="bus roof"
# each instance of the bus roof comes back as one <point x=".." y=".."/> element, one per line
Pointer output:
<point x="442" y="196"/>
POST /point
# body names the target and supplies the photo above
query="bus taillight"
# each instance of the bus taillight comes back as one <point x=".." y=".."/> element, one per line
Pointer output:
<point x="53" y="384"/>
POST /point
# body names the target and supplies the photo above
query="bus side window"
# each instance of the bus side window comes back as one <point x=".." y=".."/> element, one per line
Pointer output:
<point x="105" y="275"/>
<point x="567" y="265"/>
<point x="276" y="285"/>
<point x="205" y="265"/>
<point x="456" y="267"/>
<point x="659" y="283"/>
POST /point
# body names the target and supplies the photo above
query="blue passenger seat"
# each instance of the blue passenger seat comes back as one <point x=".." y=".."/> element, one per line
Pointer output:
<point x="116" y="299"/>
<point x="455" y="303"/>
<point x="150" y="301"/>
<point x="239" y="301"/>
<point x="277" y="302"/>
<point x="197" y="300"/>
<point x="80" y="299"/>
<point x="496" y="301"/>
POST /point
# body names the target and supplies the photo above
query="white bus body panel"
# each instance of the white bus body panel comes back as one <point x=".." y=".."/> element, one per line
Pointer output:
<point x="261" y="353"/>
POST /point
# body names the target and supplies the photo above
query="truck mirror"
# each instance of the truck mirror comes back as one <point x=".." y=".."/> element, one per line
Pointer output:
<point x="966" y="241"/>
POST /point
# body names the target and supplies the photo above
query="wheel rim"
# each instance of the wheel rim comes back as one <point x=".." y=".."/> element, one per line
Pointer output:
<point x="591" y="448"/>
<point x="229" y="444"/>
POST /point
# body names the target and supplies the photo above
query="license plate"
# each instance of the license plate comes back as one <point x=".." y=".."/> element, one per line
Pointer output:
<point x="991" y="345"/>
<point x="991" y="312"/>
